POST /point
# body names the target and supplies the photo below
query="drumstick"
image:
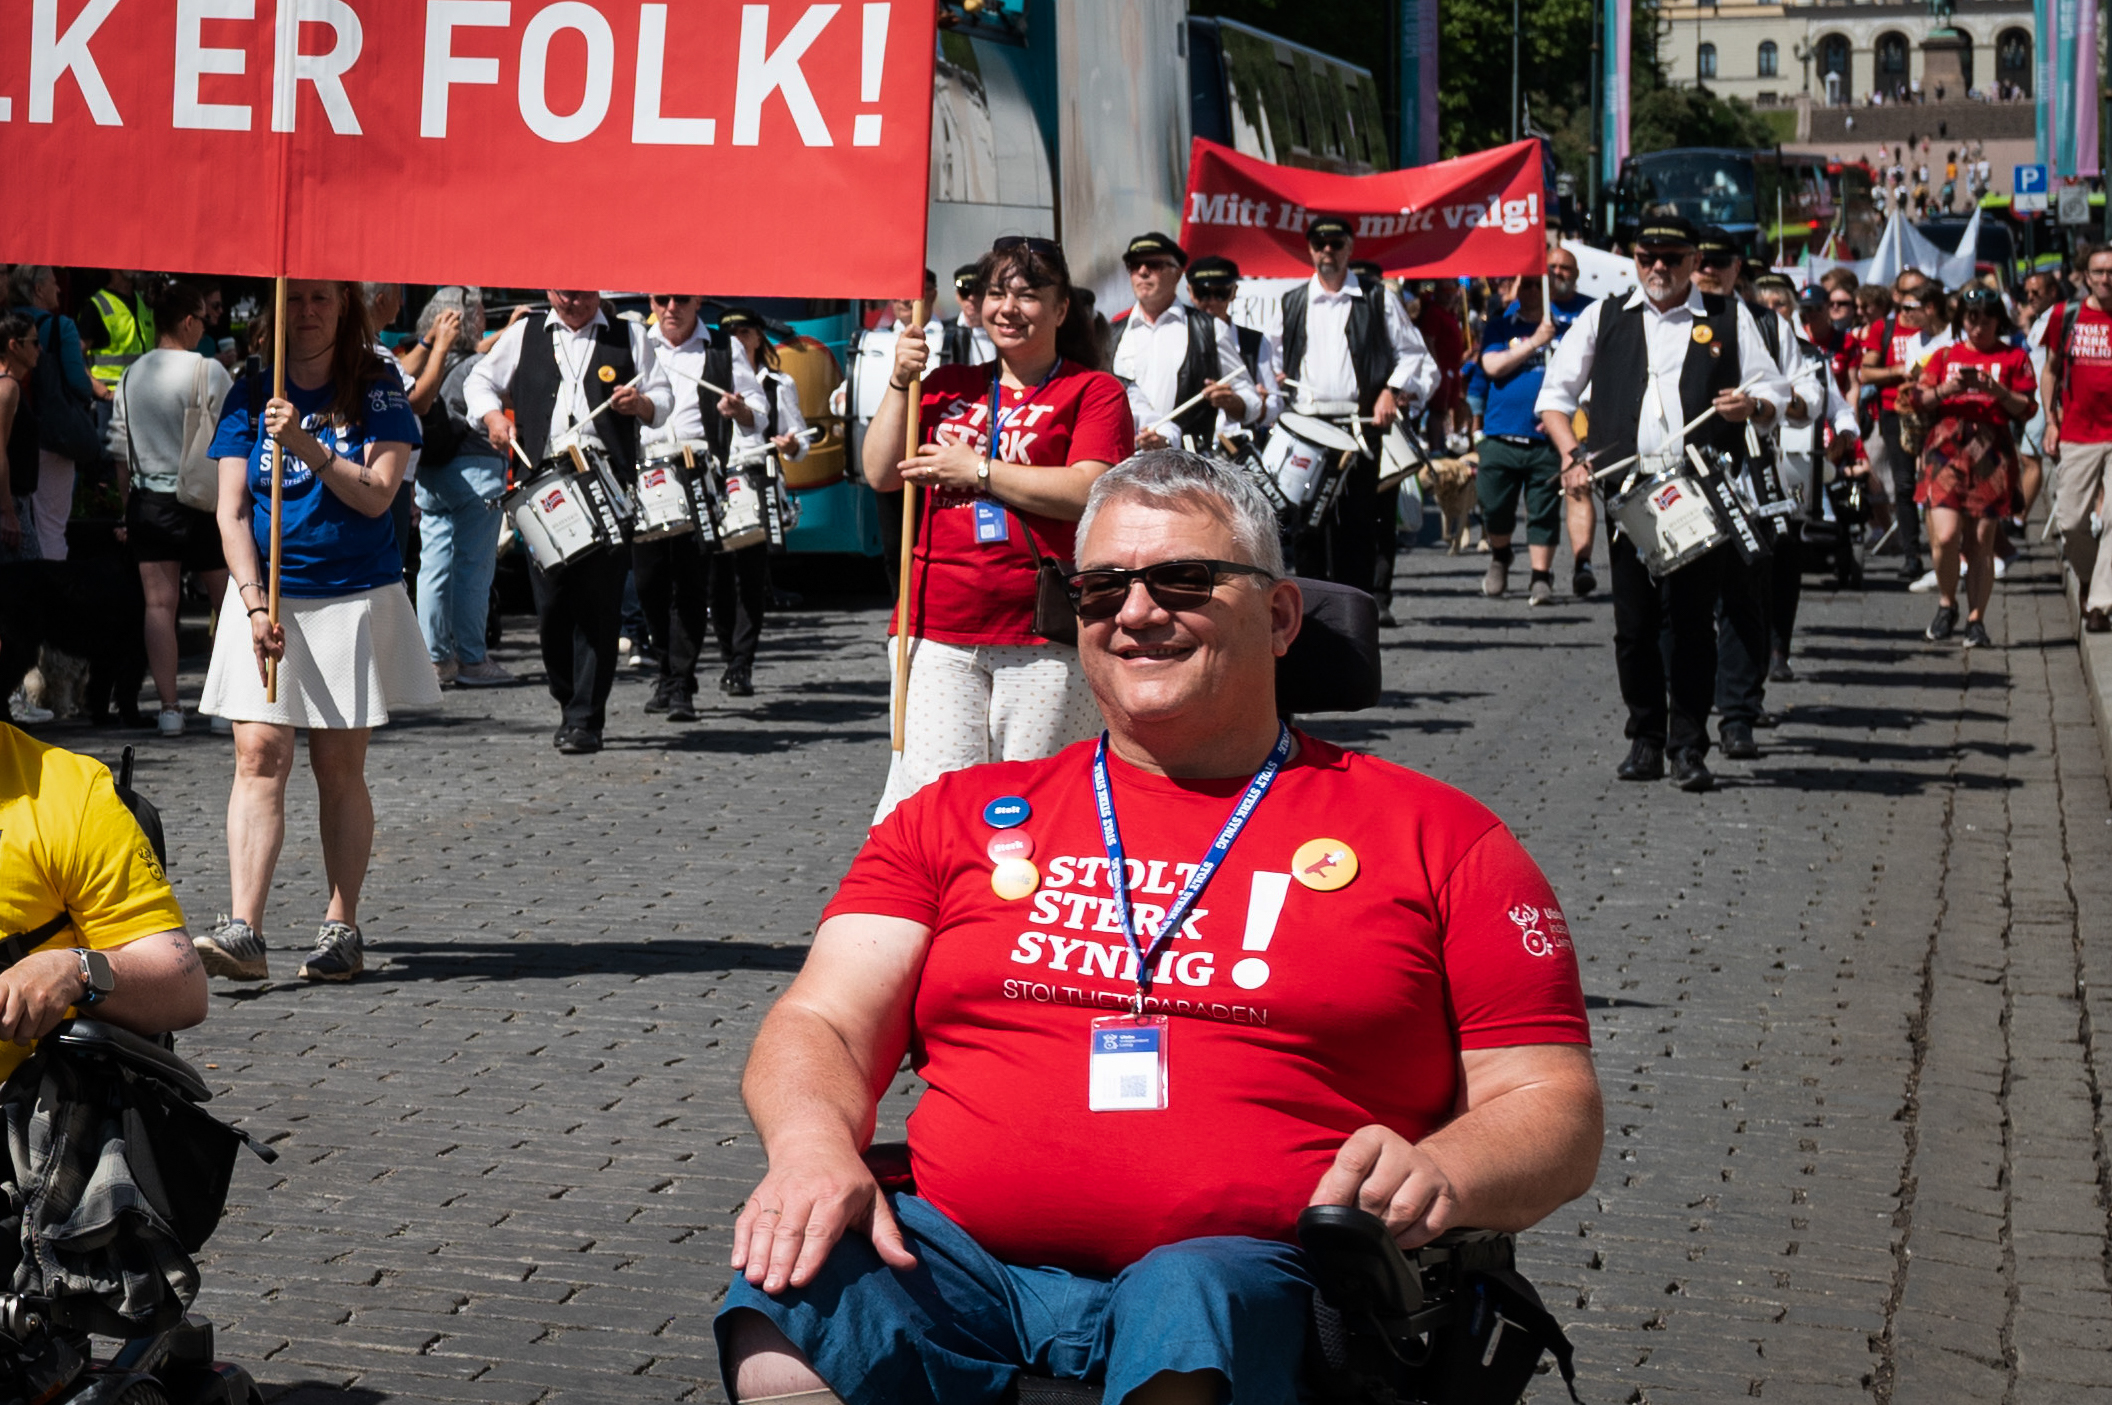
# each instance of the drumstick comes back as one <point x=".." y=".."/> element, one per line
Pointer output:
<point x="699" y="380"/>
<point x="1185" y="406"/>
<point x="1689" y="428"/>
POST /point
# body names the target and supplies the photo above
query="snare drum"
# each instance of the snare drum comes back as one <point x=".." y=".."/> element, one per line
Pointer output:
<point x="666" y="493"/>
<point x="1670" y="521"/>
<point x="556" y="519"/>
<point x="741" y="507"/>
<point x="1301" y="450"/>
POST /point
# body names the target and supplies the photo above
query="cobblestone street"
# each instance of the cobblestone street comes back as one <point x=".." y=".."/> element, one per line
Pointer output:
<point x="1850" y="1011"/>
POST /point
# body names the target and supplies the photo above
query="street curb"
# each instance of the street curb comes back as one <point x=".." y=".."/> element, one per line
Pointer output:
<point x="2096" y="652"/>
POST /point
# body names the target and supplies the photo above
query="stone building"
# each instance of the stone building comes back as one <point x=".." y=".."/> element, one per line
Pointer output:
<point x="1837" y="52"/>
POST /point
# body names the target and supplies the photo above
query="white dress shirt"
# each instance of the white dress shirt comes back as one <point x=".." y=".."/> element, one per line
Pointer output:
<point x="1148" y="361"/>
<point x="491" y="382"/>
<point x="789" y="419"/>
<point x="981" y="350"/>
<point x="684" y="364"/>
<point x="1328" y="374"/>
<point x="1667" y="334"/>
<point x="1266" y="384"/>
<point x="875" y="362"/>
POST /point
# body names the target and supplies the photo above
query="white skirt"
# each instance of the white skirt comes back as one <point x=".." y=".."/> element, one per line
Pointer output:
<point x="349" y="659"/>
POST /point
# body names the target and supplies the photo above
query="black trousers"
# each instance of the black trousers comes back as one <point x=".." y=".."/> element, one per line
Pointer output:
<point x="1340" y="547"/>
<point x="577" y="613"/>
<point x="671" y="592"/>
<point x="1385" y="540"/>
<point x="1664" y="645"/>
<point x="1906" y="475"/>
<point x="740" y="588"/>
<point x="1743" y="638"/>
<point x="1788" y="593"/>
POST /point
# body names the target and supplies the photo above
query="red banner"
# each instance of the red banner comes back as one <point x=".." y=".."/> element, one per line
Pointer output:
<point x="706" y="146"/>
<point x="1479" y="215"/>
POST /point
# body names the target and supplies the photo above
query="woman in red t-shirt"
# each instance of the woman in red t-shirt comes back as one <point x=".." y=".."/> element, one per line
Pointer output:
<point x="1973" y="394"/>
<point x="983" y="686"/>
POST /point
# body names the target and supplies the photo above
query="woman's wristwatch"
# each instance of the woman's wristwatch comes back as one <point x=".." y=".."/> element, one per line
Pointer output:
<point x="982" y="474"/>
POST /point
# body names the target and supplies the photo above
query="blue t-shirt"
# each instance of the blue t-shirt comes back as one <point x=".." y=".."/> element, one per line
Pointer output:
<point x="326" y="547"/>
<point x="1510" y="403"/>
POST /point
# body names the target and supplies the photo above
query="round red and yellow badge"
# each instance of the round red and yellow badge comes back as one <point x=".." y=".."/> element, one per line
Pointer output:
<point x="1704" y="333"/>
<point x="1013" y="879"/>
<point x="1324" y="864"/>
<point x="607" y="374"/>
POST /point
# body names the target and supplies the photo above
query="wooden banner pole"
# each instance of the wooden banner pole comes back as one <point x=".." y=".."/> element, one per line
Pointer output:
<point x="278" y="475"/>
<point x="909" y="531"/>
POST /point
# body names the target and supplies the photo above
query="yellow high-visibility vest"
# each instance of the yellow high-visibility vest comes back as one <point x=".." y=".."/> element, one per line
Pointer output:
<point x="130" y="329"/>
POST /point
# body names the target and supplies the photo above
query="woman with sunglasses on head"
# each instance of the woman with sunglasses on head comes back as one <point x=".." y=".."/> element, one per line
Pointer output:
<point x="346" y="644"/>
<point x="1009" y="452"/>
<point x="1972" y="394"/>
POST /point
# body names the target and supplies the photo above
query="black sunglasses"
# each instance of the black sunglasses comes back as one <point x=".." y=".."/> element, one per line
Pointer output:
<point x="1670" y="258"/>
<point x="670" y="299"/>
<point x="1332" y="245"/>
<point x="1172" y="585"/>
<point x="1047" y="248"/>
<point x="1718" y="260"/>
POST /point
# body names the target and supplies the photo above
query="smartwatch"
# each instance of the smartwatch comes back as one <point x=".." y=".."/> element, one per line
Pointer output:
<point x="97" y="979"/>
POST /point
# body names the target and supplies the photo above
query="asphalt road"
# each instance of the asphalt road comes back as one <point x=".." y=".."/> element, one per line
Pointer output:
<point x="1846" y="1010"/>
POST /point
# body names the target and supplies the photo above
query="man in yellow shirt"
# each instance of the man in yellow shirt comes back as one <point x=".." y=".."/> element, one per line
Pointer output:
<point x="88" y="924"/>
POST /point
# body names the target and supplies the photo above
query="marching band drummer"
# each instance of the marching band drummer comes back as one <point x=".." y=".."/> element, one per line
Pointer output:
<point x="967" y="344"/>
<point x="867" y="368"/>
<point x="1652" y="362"/>
<point x="1344" y="343"/>
<point x="1213" y="281"/>
<point x="673" y="577"/>
<point x="559" y="370"/>
<point x="1167" y="354"/>
<point x="1009" y="453"/>
<point x="740" y="580"/>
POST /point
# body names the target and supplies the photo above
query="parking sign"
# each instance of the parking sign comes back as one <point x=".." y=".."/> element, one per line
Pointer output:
<point x="2029" y="189"/>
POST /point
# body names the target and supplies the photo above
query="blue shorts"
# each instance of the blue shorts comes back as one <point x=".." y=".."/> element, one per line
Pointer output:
<point x="961" y="1326"/>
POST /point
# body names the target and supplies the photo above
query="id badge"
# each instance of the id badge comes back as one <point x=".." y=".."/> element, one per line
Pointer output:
<point x="1127" y="1066"/>
<point x="991" y="522"/>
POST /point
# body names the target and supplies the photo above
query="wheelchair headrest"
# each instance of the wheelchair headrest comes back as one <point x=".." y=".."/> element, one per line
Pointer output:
<point x="1333" y="664"/>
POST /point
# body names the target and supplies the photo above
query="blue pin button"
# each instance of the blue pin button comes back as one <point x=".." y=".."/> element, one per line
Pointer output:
<point x="1006" y="811"/>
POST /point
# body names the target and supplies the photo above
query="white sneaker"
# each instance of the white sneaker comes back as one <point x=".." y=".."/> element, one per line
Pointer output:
<point x="223" y="727"/>
<point x="27" y="713"/>
<point x="2001" y="567"/>
<point x="447" y="669"/>
<point x="1925" y="584"/>
<point x="483" y="675"/>
<point x="170" y="721"/>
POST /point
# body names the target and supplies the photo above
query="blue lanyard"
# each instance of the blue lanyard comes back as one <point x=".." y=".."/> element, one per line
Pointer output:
<point x="1118" y="866"/>
<point x="997" y="417"/>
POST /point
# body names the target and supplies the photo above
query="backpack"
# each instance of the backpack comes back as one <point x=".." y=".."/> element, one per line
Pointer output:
<point x="65" y="424"/>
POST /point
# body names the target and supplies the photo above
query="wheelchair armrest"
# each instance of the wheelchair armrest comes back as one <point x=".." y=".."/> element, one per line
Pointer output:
<point x="1356" y="1265"/>
<point x="98" y="1039"/>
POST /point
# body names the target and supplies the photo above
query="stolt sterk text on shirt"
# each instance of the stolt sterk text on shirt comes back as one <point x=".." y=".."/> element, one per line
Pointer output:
<point x="327" y="547"/>
<point x="1301" y="1007"/>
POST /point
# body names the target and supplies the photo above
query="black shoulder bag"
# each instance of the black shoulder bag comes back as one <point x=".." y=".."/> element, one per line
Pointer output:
<point x="1054" y="620"/>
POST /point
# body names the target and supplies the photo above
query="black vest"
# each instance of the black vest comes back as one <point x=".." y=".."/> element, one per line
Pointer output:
<point x="1250" y="352"/>
<point x="1620" y="373"/>
<point x="957" y="345"/>
<point x="1199" y="366"/>
<point x="536" y="382"/>
<point x="718" y="369"/>
<point x="1370" y="349"/>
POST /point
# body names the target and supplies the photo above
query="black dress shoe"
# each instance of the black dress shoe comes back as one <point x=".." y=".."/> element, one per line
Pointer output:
<point x="1781" y="672"/>
<point x="1738" y="743"/>
<point x="1763" y="720"/>
<point x="682" y="705"/>
<point x="1689" y="774"/>
<point x="1386" y="619"/>
<point x="1646" y="762"/>
<point x="662" y="695"/>
<point x="578" y="741"/>
<point x="736" y="685"/>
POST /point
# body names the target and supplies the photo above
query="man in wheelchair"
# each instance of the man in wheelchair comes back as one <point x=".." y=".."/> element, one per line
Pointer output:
<point x="87" y="919"/>
<point x="1324" y="980"/>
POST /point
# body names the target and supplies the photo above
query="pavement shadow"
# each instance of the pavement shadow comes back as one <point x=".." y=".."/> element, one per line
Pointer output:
<point x="741" y="743"/>
<point x="441" y="961"/>
<point x="1950" y="678"/>
<point x="318" y="1393"/>
<point x="1884" y="719"/>
<point x="1858" y="781"/>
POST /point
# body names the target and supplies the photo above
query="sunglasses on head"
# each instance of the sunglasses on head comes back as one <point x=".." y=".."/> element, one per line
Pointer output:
<point x="1172" y="585"/>
<point x="1046" y="248"/>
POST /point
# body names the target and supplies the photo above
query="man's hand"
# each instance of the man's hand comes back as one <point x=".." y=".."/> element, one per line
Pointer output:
<point x="1224" y="397"/>
<point x="102" y="389"/>
<point x="1380" y="1170"/>
<point x="2050" y="439"/>
<point x="1576" y="474"/>
<point x="500" y="431"/>
<point x="1386" y="410"/>
<point x="1734" y="406"/>
<point x="1150" y="439"/>
<point x="627" y="401"/>
<point x="733" y="407"/>
<point x="35" y="992"/>
<point x="812" y="1195"/>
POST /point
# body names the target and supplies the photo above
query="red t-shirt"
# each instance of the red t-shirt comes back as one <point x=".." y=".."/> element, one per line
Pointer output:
<point x="1447" y="938"/>
<point x="2086" y="376"/>
<point x="2006" y="365"/>
<point x="974" y="592"/>
<point x="1899" y="351"/>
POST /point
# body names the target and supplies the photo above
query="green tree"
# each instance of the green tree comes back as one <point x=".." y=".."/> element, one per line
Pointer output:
<point x="1670" y="117"/>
